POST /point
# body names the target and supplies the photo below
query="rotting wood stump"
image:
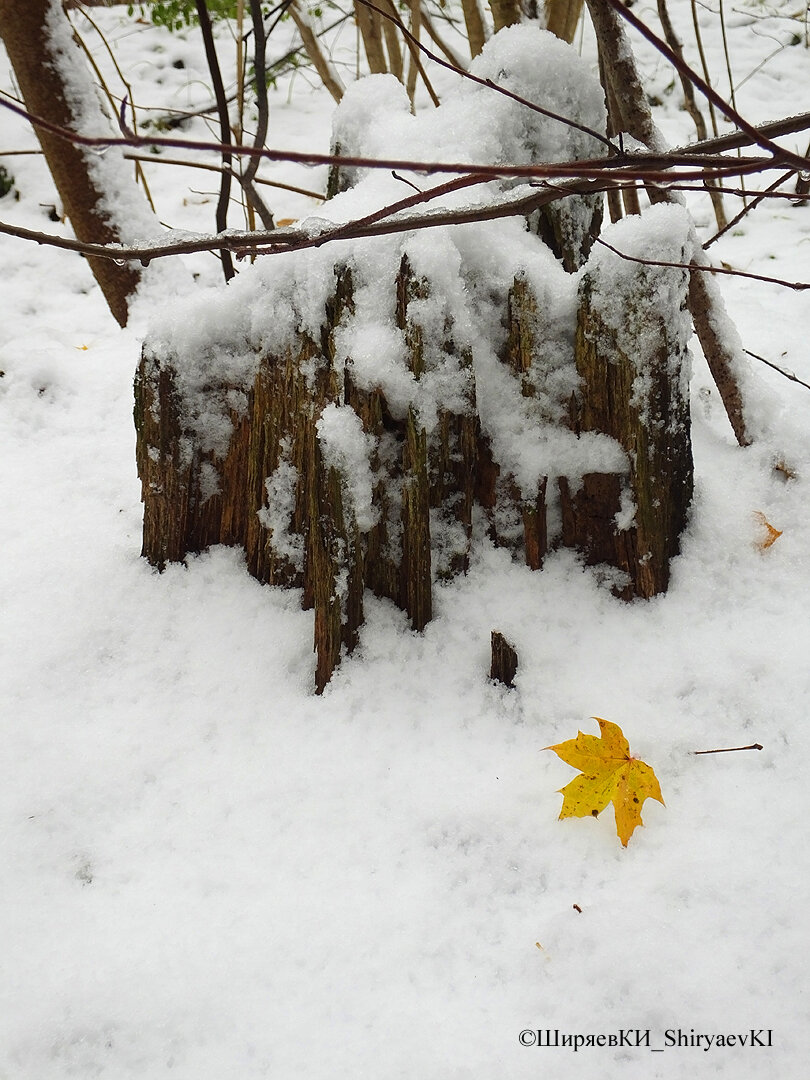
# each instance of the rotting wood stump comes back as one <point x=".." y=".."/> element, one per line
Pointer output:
<point x="336" y="476"/>
<point x="635" y="378"/>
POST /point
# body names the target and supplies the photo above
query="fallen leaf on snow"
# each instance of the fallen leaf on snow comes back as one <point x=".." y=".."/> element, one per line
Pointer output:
<point x="771" y="534"/>
<point x="609" y="774"/>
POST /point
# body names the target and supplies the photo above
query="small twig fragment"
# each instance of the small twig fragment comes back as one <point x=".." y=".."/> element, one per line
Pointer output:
<point x="730" y="749"/>
<point x="504" y="660"/>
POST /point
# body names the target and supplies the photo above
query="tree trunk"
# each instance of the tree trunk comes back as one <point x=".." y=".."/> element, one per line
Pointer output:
<point x="562" y="17"/>
<point x="505" y="13"/>
<point x="323" y="65"/>
<point x="473" y="21"/>
<point x="369" y="22"/>
<point x="635" y="388"/>
<point x="33" y="32"/>
<point x="725" y="362"/>
<point x="392" y="43"/>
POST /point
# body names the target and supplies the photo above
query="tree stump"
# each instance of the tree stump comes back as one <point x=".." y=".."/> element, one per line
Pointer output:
<point x="335" y="481"/>
<point x="632" y="329"/>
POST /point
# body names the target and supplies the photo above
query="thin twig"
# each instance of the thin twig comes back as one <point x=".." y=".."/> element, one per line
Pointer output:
<point x="626" y="166"/>
<point x="703" y="63"/>
<point x="797" y="286"/>
<point x="787" y="374"/>
<point x="727" y="56"/>
<point x="749" y="206"/>
<point x="284" y="238"/>
<point x="224" y="128"/>
<point x="730" y="749"/>
<point x="378" y="224"/>
<point x="153" y="159"/>
<point x="247" y="178"/>
<point x="108" y="93"/>
<point x="438" y="40"/>
<point x="691" y="106"/>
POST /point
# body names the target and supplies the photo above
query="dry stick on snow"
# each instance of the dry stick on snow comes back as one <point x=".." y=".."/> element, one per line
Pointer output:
<point x="705" y="304"/>
<point x="730" y="749"/>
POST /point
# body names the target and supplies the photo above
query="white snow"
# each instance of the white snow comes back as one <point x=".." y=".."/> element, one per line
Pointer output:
<point x="347" y="449"/>
<point x="276" y="515"/>
<point x="209" y="872"/>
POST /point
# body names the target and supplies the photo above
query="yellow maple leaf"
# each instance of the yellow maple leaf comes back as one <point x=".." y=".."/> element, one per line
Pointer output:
<point x="608" y="774"/>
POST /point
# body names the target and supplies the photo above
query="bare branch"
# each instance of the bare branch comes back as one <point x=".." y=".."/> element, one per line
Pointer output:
<point x="769" y="191"/>
<point x="224" y="128"/>
<point x="707" y="268"/>
<point x="624" y="165"/>
<point x="387" y="220"/>
<point x="737" y="139"/>
<point x="779" y="153"/>
<point x="787" y="374"/>
<point x="691" y="105"/>
<point x="283" y="239"/>
<point x="247" y="178"/>
<point x="152" y="159"/>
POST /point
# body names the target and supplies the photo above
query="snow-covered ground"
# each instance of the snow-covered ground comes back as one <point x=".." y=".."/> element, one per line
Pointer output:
<point x="209" y="872"/>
